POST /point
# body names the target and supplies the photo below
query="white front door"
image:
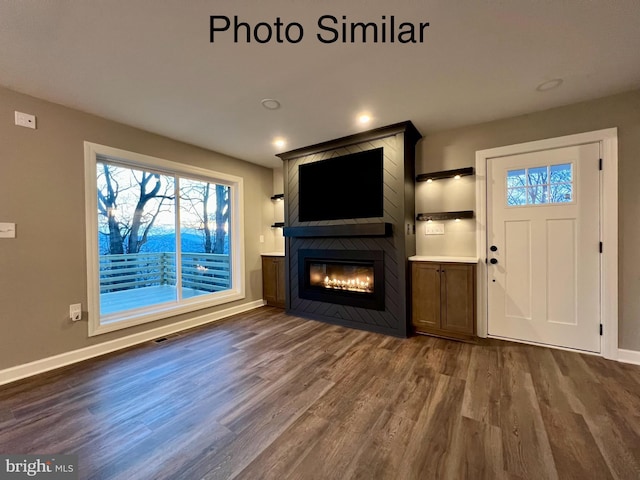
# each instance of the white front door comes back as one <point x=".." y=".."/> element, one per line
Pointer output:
<point x="543" y="236"/>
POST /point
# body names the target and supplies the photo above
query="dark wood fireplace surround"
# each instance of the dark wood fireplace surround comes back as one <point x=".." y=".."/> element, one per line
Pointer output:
<point x="389" y="240"/>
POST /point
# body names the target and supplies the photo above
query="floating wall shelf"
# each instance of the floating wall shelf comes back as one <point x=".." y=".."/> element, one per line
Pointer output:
<point x="278" y="196"/>
<point x="459" y="172"/>
<point x="445" y="215"/>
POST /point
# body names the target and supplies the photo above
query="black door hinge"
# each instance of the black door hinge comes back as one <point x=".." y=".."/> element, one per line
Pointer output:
<point x="600" y="165"/>
<point x="600" y="247"/>
<point x="601" y="329"/>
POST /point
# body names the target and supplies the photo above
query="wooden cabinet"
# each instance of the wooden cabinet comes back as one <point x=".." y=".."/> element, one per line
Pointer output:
<point x="273" y="289"/>
<point x="444" y="299"/>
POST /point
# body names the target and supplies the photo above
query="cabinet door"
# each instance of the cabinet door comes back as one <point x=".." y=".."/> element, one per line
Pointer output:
<point x="458" y="298"/>
<point x="269" y="280"/>
<point x="280" y="285"/>
<point x="425" y="292"/>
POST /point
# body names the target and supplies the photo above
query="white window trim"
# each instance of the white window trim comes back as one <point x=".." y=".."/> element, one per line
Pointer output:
<point x="608" y="140"/>
<point x="150" y="314"/>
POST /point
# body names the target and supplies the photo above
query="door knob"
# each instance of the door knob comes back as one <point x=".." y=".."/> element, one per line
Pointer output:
<point x="493" y="248"/>
<point x="493" y="261"/>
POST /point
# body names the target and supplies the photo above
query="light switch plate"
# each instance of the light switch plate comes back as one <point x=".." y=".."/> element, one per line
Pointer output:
<point x="434" y="228"/>
<point x="25" y="120"/>
<point x="7" y="230"/>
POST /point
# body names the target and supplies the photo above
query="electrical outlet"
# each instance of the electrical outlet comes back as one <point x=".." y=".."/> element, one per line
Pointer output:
<point x="261" y="238"/>
<point x="75" y="312"/>
<point x="25" y="120"/>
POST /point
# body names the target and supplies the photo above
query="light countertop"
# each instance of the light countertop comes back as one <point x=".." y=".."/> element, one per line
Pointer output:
<point x="273" y="254"/>
<point x="427" y="258"/>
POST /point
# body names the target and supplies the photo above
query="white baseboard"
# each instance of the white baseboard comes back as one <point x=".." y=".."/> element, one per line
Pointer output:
<point x="629" y="356"/>
<point x="50" y="363"/>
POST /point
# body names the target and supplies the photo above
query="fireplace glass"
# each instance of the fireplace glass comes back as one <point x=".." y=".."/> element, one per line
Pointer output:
<point x="349" y="277"/>
<point x="344" y="277"/>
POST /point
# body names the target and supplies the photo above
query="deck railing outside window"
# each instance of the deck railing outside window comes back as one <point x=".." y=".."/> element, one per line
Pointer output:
<point x="206" y="272"/>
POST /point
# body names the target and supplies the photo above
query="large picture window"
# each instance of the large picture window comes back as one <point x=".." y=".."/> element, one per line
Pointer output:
<point x="162" y="238"/>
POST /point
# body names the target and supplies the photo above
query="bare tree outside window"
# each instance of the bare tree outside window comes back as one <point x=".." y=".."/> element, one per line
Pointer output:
<point x="129" y="203"/>
<point x="207" y="210"/>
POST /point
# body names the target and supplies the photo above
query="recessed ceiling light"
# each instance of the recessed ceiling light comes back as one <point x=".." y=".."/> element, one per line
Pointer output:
<point x="270" y="104"/>
<point x="279" y="142"/>
<point x="549" y="85"/>
<point x="364" y="118"/>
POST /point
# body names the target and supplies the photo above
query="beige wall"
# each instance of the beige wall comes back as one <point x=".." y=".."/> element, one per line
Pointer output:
<point x="43" y="270"/>
<point x="456" y="148"/>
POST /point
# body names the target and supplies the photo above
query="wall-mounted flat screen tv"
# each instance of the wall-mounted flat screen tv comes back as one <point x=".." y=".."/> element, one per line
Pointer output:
<point x="339" y="188"/>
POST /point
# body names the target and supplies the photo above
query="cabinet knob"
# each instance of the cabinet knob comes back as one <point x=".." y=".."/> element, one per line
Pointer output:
<point x="493" y="261"/>
<point x="493" y="248"/>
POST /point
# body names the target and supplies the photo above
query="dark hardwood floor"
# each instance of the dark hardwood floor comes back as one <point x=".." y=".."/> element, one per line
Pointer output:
<point x="267" y="395"/>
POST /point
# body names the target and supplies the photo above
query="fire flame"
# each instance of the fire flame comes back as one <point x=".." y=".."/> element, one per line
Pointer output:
<point x="352" y="284"/>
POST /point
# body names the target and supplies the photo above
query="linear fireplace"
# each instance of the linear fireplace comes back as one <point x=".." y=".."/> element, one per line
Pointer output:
<point x="345" y="277"/>
<point x="349" y="267"/>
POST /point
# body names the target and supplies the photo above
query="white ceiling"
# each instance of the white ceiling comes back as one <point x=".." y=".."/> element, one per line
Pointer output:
<point x="150" y="64"/>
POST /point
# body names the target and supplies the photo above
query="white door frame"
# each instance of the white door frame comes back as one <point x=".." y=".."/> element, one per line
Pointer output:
<point x="608" y="139"/>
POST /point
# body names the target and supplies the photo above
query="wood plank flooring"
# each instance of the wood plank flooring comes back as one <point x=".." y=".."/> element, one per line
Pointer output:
<point x="265" y="395"/>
